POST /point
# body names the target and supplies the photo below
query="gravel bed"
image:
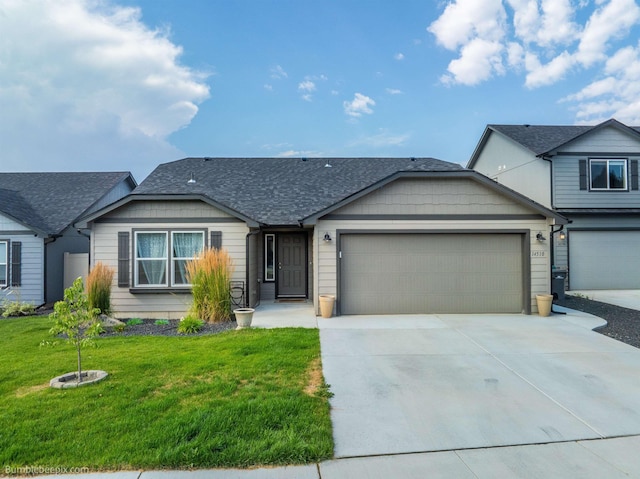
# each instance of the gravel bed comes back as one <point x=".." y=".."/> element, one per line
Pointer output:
<point x="149" y="328"/>
<point x="623" y="324"/>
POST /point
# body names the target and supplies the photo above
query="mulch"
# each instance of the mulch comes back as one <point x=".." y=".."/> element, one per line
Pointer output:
<point x="623" y="324"/>
<point x="150" y="328"/>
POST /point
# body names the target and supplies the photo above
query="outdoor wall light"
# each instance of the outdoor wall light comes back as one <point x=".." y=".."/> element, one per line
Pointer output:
<point x="540" y="237"/>
<point x="327" y="237"/>
<point x="563" y="236"/>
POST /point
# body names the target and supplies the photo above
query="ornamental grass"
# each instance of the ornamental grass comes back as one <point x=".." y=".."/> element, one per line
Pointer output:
<point x="210" y="276"/>
<point x="99" y="287"/>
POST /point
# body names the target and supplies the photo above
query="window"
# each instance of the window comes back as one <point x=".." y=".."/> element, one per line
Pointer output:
<point x="156" y="260"/>
<point x="608" y="174"/>
<point x="151" y="259"/>
<point x="269" y="257"/>
<point x="186" y="246"/>
<point x="4" y="263"/>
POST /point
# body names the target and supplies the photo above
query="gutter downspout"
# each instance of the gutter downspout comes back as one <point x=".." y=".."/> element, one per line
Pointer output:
<point x="247" y="274"/>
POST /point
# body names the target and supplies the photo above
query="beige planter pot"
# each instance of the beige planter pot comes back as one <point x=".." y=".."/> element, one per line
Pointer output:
<point x="326" y="305"/>
<point x="244" y="316"/>
<point x="544" y="304"/>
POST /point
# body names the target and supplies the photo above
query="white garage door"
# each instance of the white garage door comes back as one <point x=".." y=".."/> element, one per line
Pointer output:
<point x="431" y="273"/>
<point x="604" y="259"/>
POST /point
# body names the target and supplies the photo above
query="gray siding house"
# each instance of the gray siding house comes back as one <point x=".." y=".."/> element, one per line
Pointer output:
<point x="383" y="235"/>
<point x="589" y="174"/>
<point x="37" y="212"/>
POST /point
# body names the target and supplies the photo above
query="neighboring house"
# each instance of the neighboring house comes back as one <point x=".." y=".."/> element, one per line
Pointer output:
<point x="384" y="235"/>
<point x="37" y="212"/>
<point x="589" y="174"/>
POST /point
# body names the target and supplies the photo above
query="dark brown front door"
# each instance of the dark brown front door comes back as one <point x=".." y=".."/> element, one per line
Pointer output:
<point x="292" y="265"/>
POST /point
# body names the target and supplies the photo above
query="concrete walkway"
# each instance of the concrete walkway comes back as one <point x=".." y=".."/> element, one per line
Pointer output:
<point x="466" y="396"/>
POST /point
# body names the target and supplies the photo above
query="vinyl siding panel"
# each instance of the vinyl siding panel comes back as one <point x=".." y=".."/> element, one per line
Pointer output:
<point x="164" y="305"/>
<point x="8" y="224"/>
<point x="32" y="275"/>
<point x="433" y="197"/>
<point x="509" y="163"/>
<point x="610" y="139"/>
<point x="567" y="192"/>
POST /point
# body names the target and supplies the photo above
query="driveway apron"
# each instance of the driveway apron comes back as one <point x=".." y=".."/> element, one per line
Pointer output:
<point x="425" y="383"/>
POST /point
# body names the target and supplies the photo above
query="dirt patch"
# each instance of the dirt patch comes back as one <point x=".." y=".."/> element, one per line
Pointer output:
<point x="26" y="390"/>
<point x="315" y="380"/>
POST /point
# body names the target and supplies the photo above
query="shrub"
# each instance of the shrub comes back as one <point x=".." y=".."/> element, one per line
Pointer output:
<point x="189" y="325"/>
<point x="161" y="322"/>
<point x="209" y="275"/>
<point x="134" y="322"/>
<point x="16" y="308"/>
<point x="99" y="287"/>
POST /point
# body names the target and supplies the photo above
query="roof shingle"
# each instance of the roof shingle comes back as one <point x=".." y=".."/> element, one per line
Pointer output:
<point x="279" y="191"/>
<point x="49" y="202"/>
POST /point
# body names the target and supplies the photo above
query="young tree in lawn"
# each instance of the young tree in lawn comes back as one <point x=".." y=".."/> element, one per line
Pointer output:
<point x="76" y="319"/>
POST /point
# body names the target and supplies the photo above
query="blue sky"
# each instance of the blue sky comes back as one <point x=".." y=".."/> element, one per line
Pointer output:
<point x="129" y="84"/>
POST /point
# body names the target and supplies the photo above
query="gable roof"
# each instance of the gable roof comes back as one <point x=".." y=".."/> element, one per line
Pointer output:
<point x="49" y="202"/>
<point x="278" y="191"/>
<point x="543" y="139"/>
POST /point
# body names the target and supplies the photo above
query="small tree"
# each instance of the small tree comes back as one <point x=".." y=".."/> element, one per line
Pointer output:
<point x="75" y="319"/>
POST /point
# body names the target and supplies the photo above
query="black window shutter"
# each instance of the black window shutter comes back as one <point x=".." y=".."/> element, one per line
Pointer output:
<point x="583" y="174"/>
<point x="634" y="174"/>
<point x="216" y="239"/>
<point x="123" y="259"/>
<point x="16" y="263"/>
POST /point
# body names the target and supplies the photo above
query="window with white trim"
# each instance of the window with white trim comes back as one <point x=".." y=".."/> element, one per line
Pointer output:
<point x="4" y="263"/>
<point x="608" y="174"/>
<point x="161" y="256"/>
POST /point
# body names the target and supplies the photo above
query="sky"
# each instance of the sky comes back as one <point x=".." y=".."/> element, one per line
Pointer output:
<point x="124" y="85"/>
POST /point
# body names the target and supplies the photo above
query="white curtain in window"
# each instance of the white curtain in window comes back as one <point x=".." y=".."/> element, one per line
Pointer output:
<point x="154" y="247"/>
<point x="185" y="247"/>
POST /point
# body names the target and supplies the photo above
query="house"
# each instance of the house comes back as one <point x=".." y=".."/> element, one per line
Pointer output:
<point x="37" y="212"/>
<point x="384" y="235"/>
<point x="589" y="174"/>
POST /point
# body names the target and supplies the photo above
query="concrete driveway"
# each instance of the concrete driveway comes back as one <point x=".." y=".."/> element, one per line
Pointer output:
<point x="448" y="382"/>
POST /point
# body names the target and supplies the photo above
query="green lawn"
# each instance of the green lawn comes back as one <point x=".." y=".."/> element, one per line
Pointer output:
<point x="236" y="399"/>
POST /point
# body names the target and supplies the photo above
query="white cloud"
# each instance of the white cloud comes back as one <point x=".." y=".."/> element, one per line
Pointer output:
<point x="278" y="73"/>
<point x="464" y="20"/>
<point x="477" y="28"/>
<point x="609" y="21"/>
<point x="359" y="105"/>
<point x="89" y="86"/>
<point x="544" y="40"/>
<point x="382" y="139"/>
<point x="540" y="75"/>
<point x="268" y="87"/>
<point x="616" y="94"/>
<point x="394" y="91"/>
<point x="399" y="56"/>
<point x="479" y="59"/>
<point x="299" y="154"/>
<point x="307" y="85"/>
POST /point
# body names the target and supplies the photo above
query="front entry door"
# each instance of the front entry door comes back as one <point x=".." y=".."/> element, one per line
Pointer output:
<point x="292" y="265"/>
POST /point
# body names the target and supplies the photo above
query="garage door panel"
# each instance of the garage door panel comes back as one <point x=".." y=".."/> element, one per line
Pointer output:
<point x="431" y="273"/>
<point x="604" y="259"/>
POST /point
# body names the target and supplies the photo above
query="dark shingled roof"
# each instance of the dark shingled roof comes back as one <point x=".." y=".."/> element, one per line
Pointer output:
<point x="279" y="191"/>
<point x="544" y="138"/>
<point x="49" y="202"/>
